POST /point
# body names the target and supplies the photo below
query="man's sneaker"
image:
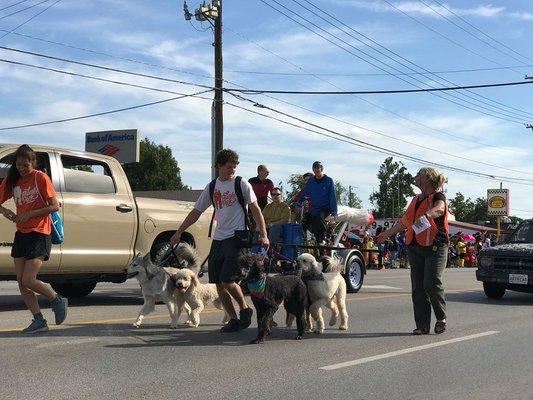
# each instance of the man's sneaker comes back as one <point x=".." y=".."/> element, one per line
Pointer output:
<point x="37" y="325"/>
<point x="245" y="318"/>
<point x="60" y="308"/>
<point x="231" y="326"/>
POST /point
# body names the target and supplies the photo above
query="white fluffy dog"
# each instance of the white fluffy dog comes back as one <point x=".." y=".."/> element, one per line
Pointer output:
<point x="194" y="293"/>
<point x="156" y="286"/>
<point x="324" y="289"/>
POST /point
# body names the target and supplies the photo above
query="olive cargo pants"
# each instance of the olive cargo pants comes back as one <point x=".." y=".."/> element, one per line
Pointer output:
<point x="427" y="266"/>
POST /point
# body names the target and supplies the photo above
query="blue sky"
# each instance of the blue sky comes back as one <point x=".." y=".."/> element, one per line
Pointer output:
<point x="260" y="39"/>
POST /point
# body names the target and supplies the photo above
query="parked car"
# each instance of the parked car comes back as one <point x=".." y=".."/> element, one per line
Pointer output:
<point x="509" y="265"/>
<point x="104" y="224"/>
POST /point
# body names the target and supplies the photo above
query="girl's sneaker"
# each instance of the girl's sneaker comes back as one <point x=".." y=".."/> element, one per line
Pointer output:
<point x="60" y="308"/>
<point x="37" y="325"/>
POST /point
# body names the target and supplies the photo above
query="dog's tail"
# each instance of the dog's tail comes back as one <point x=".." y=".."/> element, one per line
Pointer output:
<point x="188" y="257"/>
<point x="330" y="264"/>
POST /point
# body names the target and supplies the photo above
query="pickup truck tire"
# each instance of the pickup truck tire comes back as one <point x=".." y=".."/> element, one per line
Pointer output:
<point x="75" y="289"/>
<point x="354" y="274"/>
<point x="493" y="290"/>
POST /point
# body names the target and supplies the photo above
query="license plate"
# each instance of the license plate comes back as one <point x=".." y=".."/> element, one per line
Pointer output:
<point x="519" y="279"/>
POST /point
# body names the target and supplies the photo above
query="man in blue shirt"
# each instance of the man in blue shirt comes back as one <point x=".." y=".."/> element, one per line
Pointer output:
<point x="321" y="189"/>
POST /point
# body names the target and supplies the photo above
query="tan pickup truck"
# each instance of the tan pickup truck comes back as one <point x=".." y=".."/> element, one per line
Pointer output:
<point x="104" y="224"/>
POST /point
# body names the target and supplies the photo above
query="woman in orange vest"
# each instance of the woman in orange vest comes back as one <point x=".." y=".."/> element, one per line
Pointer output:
<point x="426" y="222"/>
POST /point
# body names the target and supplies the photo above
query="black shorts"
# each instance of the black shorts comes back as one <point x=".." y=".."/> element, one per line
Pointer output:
<point x="222" y="267"/>
<point x="31" y="245"/>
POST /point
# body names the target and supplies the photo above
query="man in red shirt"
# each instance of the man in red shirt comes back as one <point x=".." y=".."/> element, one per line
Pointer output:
<point x="262" y="186"/>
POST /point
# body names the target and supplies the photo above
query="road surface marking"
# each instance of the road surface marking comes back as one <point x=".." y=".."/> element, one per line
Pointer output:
<point x="381" y="287"/>
<point x="405" y="351"/>
<point x="67" y="342"/>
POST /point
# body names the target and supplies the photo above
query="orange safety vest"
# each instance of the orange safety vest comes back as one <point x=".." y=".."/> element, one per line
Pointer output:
<point x="427" y="237"/>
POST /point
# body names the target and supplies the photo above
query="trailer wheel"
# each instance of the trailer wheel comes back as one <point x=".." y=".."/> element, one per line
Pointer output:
<point x="493" y="290"/>
<point x="354" y="274"/>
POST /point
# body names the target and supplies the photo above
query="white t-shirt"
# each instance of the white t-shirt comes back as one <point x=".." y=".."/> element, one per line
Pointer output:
<point x="229" y="215"/>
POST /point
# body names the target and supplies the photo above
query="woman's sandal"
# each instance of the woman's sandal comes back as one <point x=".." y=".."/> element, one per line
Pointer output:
<point x="440" y="327"/>
<point x="420" y="331"/>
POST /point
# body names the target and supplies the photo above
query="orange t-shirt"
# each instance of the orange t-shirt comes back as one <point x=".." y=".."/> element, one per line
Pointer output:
<point x="27" y="198"/>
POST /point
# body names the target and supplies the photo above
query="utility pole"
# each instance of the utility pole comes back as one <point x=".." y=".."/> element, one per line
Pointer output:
<point x="212" y="13"/>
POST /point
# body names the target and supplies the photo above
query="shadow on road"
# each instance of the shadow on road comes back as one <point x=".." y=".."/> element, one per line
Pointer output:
<point x="117" y="298"/>
<point x="509" y="299"/>
<point x="158" y="335"/>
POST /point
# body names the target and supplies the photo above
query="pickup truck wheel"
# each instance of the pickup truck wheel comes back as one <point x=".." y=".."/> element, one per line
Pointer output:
<point x="353" y="274"/>
<point x="159" y="251"/>
<point x="493" y="290"/>
<point x="74" y="289"/>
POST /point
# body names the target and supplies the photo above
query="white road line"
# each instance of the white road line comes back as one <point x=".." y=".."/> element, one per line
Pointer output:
<point x="67" y="342"/>
<point x="405" y="351"/>
<point x="381" y="287"/>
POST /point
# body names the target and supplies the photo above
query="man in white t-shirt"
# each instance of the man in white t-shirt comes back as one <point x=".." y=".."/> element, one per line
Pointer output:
<point x="230" y="217"/>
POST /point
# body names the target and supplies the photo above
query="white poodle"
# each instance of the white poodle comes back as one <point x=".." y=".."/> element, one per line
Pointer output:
<point x="195" y="294"/>
<point x="324" y="289"/>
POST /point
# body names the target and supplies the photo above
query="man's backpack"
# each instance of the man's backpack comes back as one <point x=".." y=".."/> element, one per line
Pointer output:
<point x="240" y="198"/>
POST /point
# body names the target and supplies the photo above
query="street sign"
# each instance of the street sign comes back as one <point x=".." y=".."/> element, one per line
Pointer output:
<point x="498" y="202"/>
<point x="122" y="144"/>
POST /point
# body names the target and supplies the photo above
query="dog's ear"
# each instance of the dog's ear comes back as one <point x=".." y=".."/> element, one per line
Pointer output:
<point x="194" y="278"/>
<point x="170" y="270"/>
<point x="184" y="263"/>
<point x="146" y="258"/>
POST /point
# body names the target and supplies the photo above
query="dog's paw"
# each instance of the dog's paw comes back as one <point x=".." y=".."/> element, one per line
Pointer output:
<point x="173" y="325"/>
<point x="343" y="327"/>
<point x="257" y="341"/>
<point x="299" y="337"/>
<point x="318" y="331"/>
<point x="333" y="321"/>
<point x="136" y="324"/>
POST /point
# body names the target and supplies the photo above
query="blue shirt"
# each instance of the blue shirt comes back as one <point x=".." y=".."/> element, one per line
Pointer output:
<point x="322" y="193"/>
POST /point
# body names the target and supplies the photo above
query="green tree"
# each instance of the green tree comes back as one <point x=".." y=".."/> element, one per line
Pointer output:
<point x="346" y="197"/>
<point x="461" y="207"/>
<point x="296" y="183"/>
<point x="394" y="188"/>
<point x="156" y="170"/>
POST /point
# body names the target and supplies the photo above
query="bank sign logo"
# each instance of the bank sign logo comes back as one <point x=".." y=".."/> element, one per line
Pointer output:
<point x="108" y="150"/>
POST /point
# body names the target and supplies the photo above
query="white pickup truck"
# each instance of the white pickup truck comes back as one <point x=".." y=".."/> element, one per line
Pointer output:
<point x="104" y="224"/>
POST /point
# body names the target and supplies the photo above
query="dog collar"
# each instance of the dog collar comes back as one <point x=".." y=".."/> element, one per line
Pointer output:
<point x="257" y="287"/>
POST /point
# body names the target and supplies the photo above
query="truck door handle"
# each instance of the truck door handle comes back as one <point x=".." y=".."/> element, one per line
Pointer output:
<point x="124" y="208"/>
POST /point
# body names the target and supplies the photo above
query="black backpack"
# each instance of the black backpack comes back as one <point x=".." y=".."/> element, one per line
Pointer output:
<point x="240" y="198"/>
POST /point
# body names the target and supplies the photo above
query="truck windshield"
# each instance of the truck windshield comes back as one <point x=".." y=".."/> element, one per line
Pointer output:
<point x="523" y="234"/>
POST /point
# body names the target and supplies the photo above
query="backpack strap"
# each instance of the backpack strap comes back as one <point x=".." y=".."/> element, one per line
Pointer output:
<point x="240" y="198"/>
<point x="211" y="193"/>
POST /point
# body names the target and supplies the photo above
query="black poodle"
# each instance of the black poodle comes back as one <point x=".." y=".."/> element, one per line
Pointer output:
<point x="267" y="292"/>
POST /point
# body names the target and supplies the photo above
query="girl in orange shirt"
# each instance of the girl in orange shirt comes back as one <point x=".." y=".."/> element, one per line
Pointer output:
<point x="32" y="243"/>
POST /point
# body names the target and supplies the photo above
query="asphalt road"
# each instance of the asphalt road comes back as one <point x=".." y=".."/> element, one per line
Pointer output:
<point x="486" y="353"/>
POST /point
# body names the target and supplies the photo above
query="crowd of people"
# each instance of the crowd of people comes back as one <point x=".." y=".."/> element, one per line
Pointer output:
<point x="464" y="249"/>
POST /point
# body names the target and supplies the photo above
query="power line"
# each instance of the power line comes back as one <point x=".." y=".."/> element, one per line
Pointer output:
<point x="403" y="117"/>
<point x="106" y="68"/>
<point x="520" y="113"/>
<point x="379" y="149"/>
<point x="446" y="37"/>
<point x="24" y="9"/>
<point x="314" y="92"/>
<point x="31" y="18"/>
<point x="57" y="121"/>
<point x="480" y="110"/>
<point x="91" y="51"/>
<point x="59" y="71"/>
<point x="108" y="55"/>
<point x="389" y="136"/>
<point x="480" y="31"/>
<point x="364" y="74"/>
<point x="466" y="30"/>
<point x="13" y="5"/>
